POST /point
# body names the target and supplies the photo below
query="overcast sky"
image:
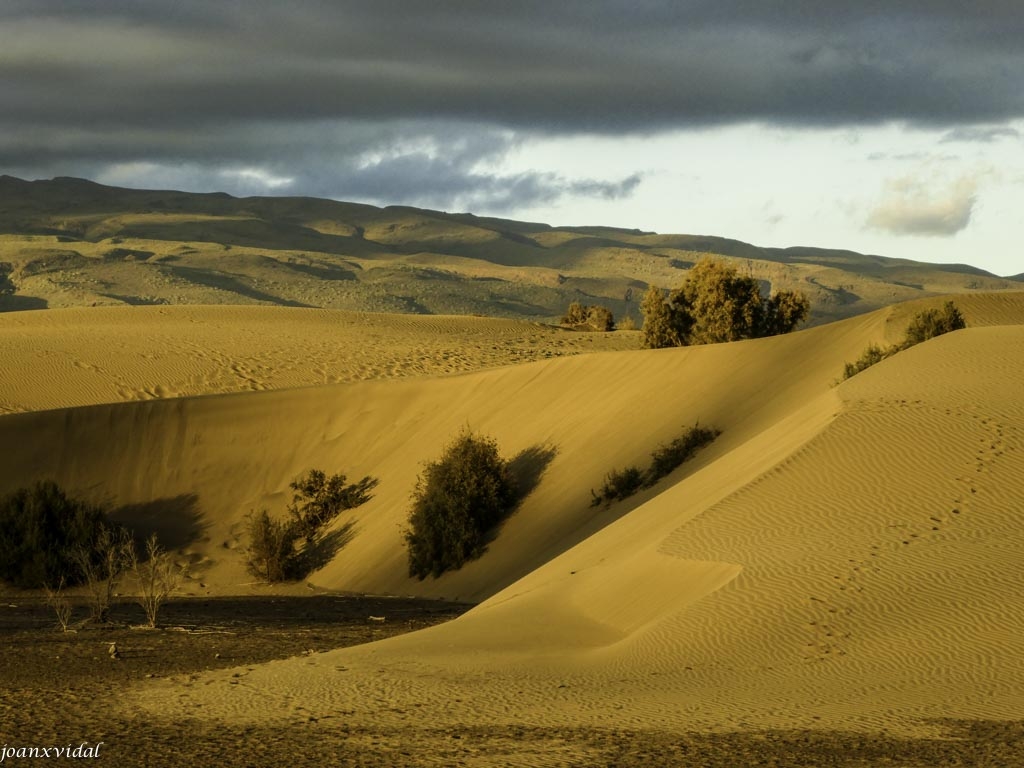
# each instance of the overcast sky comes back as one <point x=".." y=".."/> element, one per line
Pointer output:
<point x="892" y="127"/>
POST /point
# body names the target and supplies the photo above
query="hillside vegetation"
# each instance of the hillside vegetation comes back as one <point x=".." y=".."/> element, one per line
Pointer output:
<point x="70" y="242"/>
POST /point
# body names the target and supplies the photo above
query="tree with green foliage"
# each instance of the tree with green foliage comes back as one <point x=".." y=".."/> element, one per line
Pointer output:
<point x="783" y="312"/>
<point x="716" y="304"/>
<point x="458" y="501"/>
<point x="658" y="330"/>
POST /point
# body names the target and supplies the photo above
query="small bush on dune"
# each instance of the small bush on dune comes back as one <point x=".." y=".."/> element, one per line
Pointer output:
<point x="272" y="554"/>
<point x="626" y="324"/>
<point x="923" y="326"/>
<point x="318" y="499"/>
<point x="668" y="457"/>
<point x="618" y="485"/>
<point x="873" y="354"/>
<point x="457" y="502"/>
<point x="6" y="286"/>
<point x="280" y="550"/>
<point x="933" y="322"/>
<point x="622" y="484"/>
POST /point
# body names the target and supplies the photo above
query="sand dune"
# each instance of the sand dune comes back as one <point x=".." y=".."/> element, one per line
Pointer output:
<point x="854" y="566"/>
<point x="232" y="454"/>
<point x="843" y="556"/>
<point x="85" y="356"/>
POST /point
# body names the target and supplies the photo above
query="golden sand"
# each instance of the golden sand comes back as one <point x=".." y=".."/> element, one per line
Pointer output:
<point x="842" y="556"/>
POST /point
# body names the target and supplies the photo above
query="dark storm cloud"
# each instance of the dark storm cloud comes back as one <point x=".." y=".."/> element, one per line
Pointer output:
<point x="588" y="66"/>
<point x="313" y="85"/>
<point x="980" y="134"/>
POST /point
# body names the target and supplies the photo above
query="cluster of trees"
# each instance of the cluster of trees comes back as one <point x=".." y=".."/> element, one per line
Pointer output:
<point x="51" y="540"/>
<point x="923" y="326"/>
<point x="593" y="316"/>
<point x="717" y="304"/>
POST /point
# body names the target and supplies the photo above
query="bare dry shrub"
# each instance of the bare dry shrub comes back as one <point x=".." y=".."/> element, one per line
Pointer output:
<point x="58" y="600"/>
<point x="102" y="567"/>
<point x="158" y="575"/>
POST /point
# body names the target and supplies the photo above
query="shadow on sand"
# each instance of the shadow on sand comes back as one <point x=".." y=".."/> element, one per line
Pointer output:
<point x="177" y="520"/>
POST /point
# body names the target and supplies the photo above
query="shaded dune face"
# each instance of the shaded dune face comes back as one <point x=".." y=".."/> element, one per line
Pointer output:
<point x="842" y="555"/>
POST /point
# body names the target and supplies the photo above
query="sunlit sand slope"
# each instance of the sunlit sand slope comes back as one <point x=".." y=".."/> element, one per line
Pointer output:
<point x="851" y="559"/>
<point x="83" y="356"/>
<point x="210" y="460"/>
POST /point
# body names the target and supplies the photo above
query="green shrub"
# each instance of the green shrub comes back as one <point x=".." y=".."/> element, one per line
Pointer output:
<point x="318" y="499"/>
<point x="272" y="554"/>
<point x="458" y="501"/>
<point x="617" y="485"/>
<point x="923" y="326"/>
<point x="41" y="531"/>
<point x="626" y="324"/>
<point x="668" y="457"/>
<point x="873" y="354"/>
<point x="286" y="550"/>
<point x="595" y="317"/>
<point x="622" y="484"/>
<point x="933" y="322"/>
<point x="576" y="314"/>
<point x="658" y="327"/>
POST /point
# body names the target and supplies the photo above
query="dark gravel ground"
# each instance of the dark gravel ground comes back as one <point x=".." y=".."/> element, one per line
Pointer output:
<point x="58" y="689"/>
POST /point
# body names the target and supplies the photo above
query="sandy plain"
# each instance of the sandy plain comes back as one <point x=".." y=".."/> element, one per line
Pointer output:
<point x="834" y="581"/>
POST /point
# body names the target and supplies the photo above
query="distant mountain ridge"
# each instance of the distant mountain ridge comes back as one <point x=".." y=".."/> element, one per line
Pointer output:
<point x="73" y="242"/>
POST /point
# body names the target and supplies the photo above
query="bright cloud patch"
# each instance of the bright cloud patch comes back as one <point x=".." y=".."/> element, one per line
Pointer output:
<point x="259" y="177"/>
<point x="911" y="206"/>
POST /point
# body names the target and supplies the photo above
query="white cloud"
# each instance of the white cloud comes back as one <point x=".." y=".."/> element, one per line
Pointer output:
<point x="258" y="176"/>
<point x="913" y="205"/>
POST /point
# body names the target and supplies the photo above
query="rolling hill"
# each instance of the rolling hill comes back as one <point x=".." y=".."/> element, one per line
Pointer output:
<point x="70" y="242"/>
